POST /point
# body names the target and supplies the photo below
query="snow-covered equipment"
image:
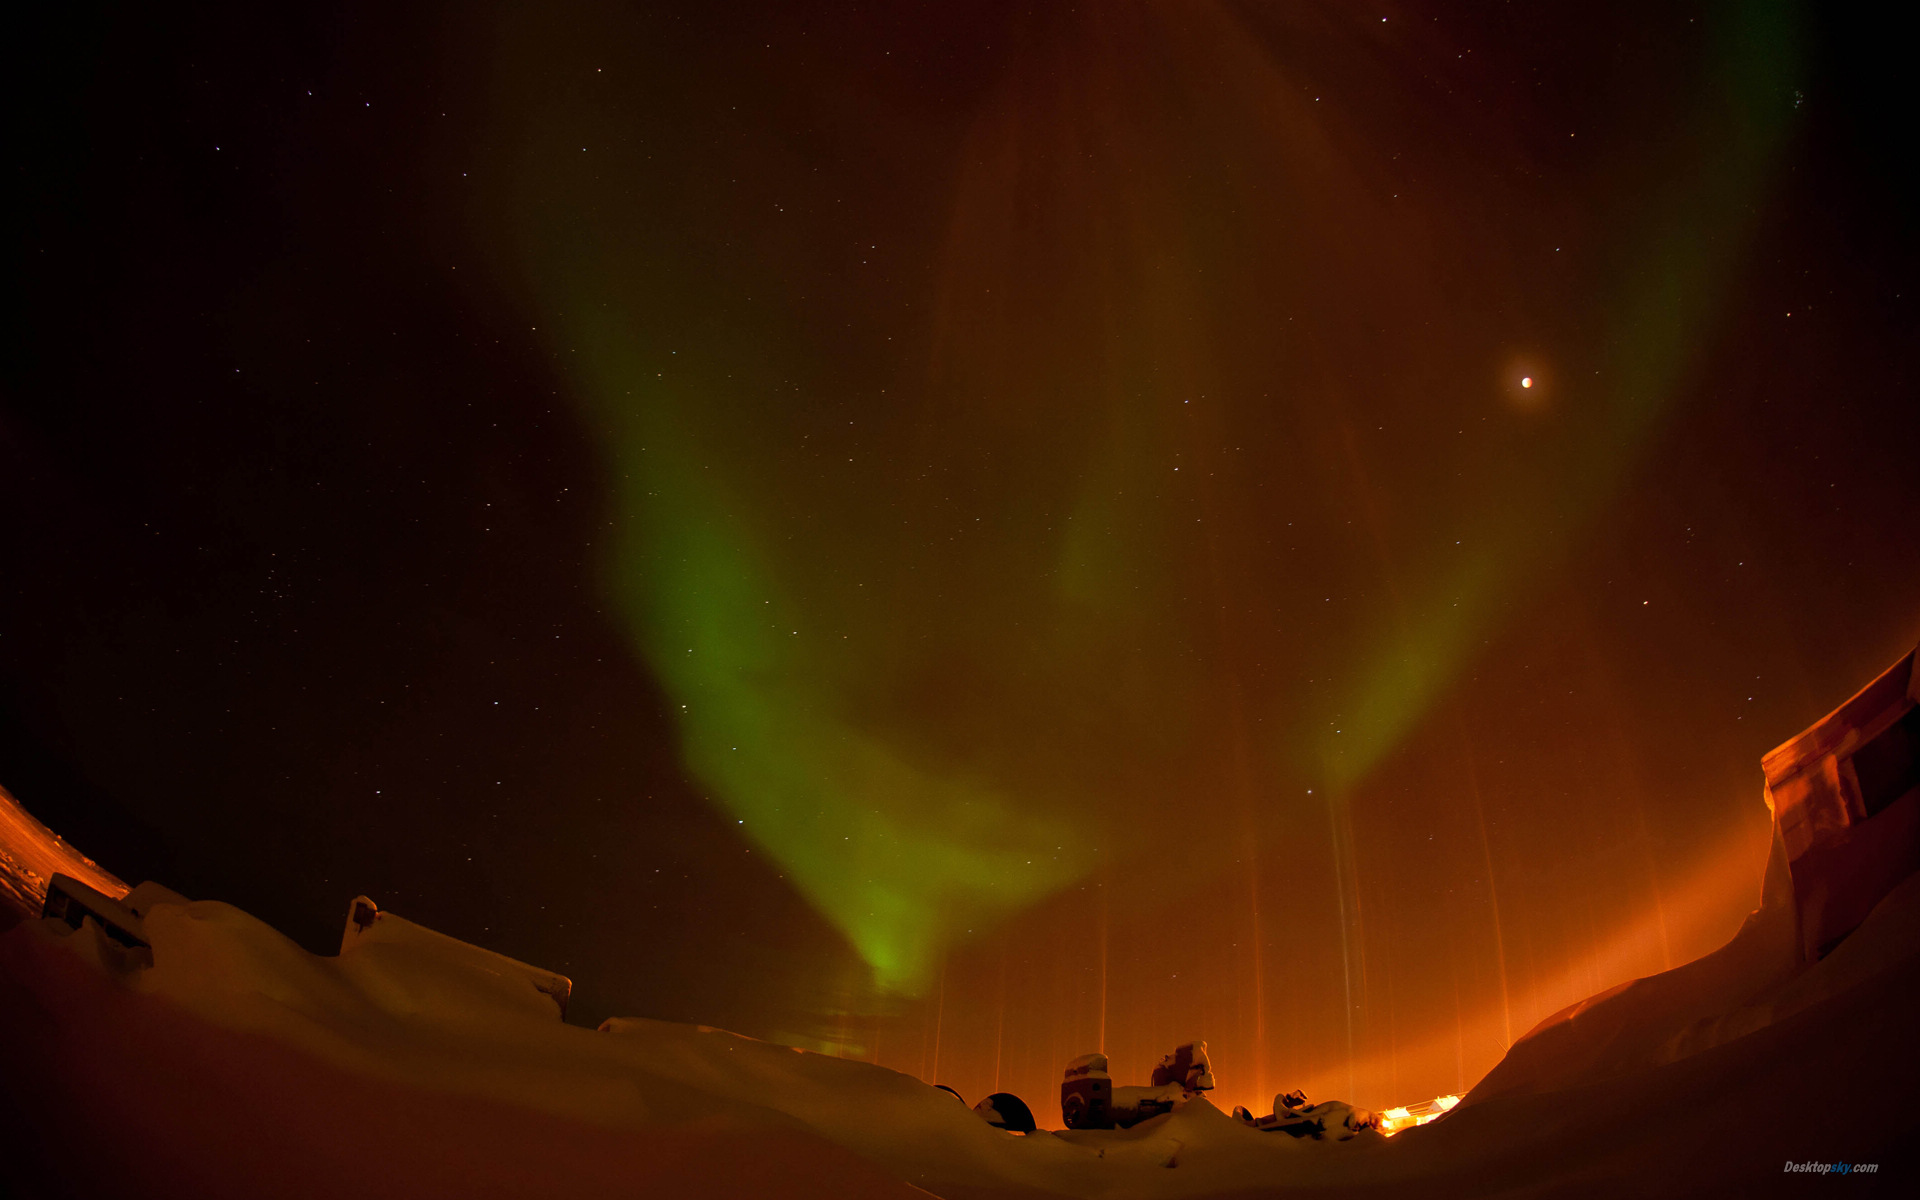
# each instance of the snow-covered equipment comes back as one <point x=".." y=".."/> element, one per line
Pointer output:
<point x="1004" y="1110"/>
<point x="1292" y="1123"/>
<point x="1132" y="1105"/>
<point x="1088" y="1099"/>
<point x="71" y="901"/>
<point x="1333" y="1120"/>
<point x="1186" y="1066"/>
<point x="1086" y="1094"/>
<point x="1340" y="1120"/>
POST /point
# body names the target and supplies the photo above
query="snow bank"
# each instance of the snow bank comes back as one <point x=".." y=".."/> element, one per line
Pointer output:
<point x="238" y="1064"/>
<point x="221" y="1060"/>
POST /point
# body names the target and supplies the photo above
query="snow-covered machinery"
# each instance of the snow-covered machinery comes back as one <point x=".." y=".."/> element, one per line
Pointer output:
<point x="1086" y="1094"/>
<point x="1186" y="1066"/>
<point x="1329" y="1120"/>
<point x="1088" y="1099"/>
<point x="74" y="902"/>
<point x="1004" y="1110"/>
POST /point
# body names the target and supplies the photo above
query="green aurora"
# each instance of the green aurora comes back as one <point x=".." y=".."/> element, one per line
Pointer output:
<point x="1010" y="477"/>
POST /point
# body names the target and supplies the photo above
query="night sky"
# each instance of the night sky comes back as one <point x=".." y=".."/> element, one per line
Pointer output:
<point x="963" y="534"/>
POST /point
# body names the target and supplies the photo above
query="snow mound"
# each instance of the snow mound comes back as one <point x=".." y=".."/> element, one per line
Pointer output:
<point x="211" y="1056"/>
<point x="422" y="1051"/>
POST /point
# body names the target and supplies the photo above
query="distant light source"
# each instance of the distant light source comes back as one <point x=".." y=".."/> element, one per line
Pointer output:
<point x="1393" y="1120"/>
<point x="1526" y="381"/>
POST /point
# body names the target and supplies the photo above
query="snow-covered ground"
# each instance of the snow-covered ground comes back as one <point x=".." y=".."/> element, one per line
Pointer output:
<point x="230" y="1062"/>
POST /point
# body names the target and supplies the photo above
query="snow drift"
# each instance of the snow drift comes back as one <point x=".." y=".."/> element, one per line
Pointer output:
<point x="210" y="1056"/>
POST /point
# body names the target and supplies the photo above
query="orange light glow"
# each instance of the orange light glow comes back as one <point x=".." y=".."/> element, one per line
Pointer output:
<point x="31" y="854"/>
<point x="1393" y="1120"/>
<point x="1696" y="917"/>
